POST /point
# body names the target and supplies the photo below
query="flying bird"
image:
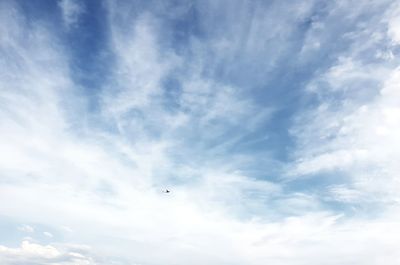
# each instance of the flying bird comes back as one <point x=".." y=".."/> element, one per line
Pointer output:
<point x="166" y="191"/>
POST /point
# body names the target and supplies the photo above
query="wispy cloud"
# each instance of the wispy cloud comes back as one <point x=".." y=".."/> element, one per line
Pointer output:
<point x="351" y="131"/>
<point x="71" y="11"/>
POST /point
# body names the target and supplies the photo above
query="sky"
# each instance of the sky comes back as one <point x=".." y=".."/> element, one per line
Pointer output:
<point x="274" y="124"/>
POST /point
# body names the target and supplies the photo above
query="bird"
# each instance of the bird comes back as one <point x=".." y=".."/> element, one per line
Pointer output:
<point x="166" y="191"/>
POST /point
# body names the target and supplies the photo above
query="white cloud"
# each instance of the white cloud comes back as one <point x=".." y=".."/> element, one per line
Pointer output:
<point x="359" y="140"/>
<point x="71" y="11"/>
<point x="348" y="74"/>
<point x="26" y="228"/>
<point x="32" y="253"/>
<point x="393" y="23"/>
<point x="140" y="65"/>
<point x="48" y="234"/>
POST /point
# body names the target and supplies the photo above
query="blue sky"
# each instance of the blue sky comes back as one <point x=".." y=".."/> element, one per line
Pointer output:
<point x="274" y="123"/>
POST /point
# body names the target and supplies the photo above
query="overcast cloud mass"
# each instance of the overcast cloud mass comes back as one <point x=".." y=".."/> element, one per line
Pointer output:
<point x="275" y="124"/>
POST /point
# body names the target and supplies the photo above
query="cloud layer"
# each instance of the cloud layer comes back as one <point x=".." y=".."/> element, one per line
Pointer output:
<point x="274" y="124"/>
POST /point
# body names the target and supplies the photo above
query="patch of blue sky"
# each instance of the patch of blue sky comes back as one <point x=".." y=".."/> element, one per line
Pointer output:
<point x="88" y="48"/>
